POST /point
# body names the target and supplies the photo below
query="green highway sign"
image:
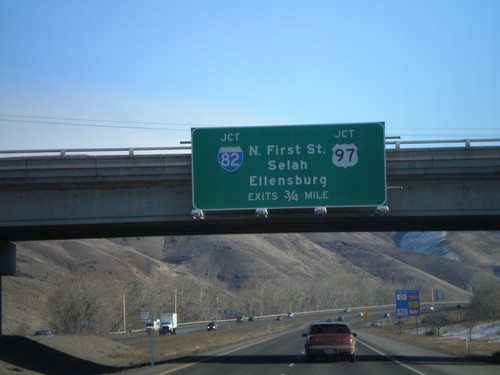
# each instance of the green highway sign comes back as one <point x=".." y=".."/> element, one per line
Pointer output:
<point x="293" y="166"/>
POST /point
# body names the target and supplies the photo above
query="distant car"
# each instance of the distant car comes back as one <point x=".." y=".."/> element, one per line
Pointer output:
<point x="212" y="326"/>
<point x="239" y="319"/>
<point x="459" y="306"/>
<point x="330" y="339"/>
<point x="340" y="318"/>
<point x="290" y="314"/>
<point x="375" y="323"/>
<point x="251" y="319"/>
<point x="387" y="315"/>
<point x="361" y="313"/>
<point x="44" y="332"/>
<point x="279" y="317"/>
<point x="347" y="309"/>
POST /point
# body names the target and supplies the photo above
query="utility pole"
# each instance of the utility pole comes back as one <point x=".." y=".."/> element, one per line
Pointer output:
<point x="175" y="301"/>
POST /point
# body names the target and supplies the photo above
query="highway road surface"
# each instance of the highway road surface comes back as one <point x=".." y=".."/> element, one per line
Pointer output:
<point x="283" y="354"/>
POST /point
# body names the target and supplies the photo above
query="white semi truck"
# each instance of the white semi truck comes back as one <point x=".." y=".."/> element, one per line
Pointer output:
<point x="168" y="323"/>
<point x="152" y="326"/>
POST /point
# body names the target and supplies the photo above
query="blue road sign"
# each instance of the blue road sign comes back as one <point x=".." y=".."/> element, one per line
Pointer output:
<point x="407" y="302"/>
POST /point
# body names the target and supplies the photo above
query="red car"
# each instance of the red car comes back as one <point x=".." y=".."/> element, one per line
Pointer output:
<point x="330" y="339"/>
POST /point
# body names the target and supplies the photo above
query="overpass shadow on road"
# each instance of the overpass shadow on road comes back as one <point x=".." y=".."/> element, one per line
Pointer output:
<point x="287" y="359"/>
<point x="21" y="353"/>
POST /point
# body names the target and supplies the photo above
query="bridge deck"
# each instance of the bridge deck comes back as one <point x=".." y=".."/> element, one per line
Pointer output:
<point x="75" y="196"/>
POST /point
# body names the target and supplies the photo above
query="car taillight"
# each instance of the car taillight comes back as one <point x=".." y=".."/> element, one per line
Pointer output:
<point x="347" y="340"/>
<point x="313" y="340"/>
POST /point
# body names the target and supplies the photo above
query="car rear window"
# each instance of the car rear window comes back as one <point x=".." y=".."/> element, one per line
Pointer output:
<point x="329" y="328"/>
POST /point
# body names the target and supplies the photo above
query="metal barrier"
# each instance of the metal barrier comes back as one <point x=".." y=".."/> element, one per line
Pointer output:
<point x="134" y="150"/>
<point x="64" y="152"/>
<point x="467" y="142"/>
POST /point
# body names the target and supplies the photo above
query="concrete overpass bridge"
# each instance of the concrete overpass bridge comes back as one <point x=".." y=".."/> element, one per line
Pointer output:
<point x="62" y="194"/>
<point x="77" y="195"/>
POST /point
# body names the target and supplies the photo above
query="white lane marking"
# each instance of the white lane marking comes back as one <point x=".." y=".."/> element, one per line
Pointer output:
<point x="256" y="342"/>
<point x="391" y="358"/>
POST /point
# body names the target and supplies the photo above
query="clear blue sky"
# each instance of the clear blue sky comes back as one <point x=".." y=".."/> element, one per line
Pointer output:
<point x="142" y="73"/>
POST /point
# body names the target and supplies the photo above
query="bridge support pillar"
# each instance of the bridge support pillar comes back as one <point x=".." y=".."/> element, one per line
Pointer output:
<point x="7" y="268"/>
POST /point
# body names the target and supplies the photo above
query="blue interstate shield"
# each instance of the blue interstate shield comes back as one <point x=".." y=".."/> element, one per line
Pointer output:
<point x="230" y="158"/>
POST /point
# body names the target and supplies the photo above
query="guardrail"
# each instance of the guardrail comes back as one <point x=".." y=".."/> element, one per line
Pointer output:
<point x="467" y="143"/>
<point x="444" y="304"/>
<point x="63" y="152"/>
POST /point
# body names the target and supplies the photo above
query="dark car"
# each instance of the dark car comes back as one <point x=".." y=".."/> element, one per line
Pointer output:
<point x="279" y="317"/>
<point x="239" y="319"/>
<point x="44" y="332"/>
<point x="340" y="318"/>
<point x="251" y="319"/>
<point x="330" y="339"/>
<point x="212" y="326"/>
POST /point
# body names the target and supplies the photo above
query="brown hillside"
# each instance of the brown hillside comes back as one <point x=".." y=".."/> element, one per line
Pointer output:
<point x="230" y="264"/>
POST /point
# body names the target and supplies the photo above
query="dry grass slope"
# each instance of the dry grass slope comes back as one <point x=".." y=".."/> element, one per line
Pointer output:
<point x="239" y="260"/>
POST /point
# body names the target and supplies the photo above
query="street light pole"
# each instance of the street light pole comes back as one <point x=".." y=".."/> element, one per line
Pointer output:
<point x="124" y="315"/>
<point x="175" y="301"/>
<point x="432" y="296"/>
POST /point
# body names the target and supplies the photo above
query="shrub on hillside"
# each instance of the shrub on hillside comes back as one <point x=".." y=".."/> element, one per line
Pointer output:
<point x="486" y="303"/>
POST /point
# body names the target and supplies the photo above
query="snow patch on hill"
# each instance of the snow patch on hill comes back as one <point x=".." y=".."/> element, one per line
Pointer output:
<point x="432" y="243"/>
<point x="486" y="331"/>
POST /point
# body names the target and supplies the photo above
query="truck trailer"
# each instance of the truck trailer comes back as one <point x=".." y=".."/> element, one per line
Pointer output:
<point x="168" y="323"/>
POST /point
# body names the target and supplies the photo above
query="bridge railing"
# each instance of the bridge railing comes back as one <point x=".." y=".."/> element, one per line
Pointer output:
<point x="397" y="144"/>
<point x="467" y="142"/>
<point x="96" y="151"/>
